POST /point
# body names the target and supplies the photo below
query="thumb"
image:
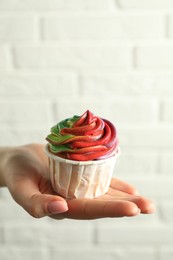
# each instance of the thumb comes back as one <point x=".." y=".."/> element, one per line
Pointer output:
<point x="37" y="204"/>
<point x="41" y="205"/>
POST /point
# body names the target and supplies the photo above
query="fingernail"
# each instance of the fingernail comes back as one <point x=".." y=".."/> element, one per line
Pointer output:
<point x="56" y="207"/>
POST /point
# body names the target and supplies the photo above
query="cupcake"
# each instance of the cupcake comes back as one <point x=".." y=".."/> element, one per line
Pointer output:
<point x="82" y="152"/>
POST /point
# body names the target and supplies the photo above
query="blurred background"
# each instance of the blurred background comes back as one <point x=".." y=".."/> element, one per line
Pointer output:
<point x="114" y="57"/>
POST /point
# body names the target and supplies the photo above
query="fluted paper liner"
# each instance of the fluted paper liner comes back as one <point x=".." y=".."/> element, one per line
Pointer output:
<point x="80" y="179"/>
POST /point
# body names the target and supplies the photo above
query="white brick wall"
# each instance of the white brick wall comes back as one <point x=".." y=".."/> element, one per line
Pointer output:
<point x="103" y="27"/>
<point x="115" y="57"/>
<point x="51" y="5"/>
<point x="3" y="57"/>
<point x="148" y="4"/>
<point x="16" y="28"/>
<point x="71" y="56"/>
<point x="155" y="56"/>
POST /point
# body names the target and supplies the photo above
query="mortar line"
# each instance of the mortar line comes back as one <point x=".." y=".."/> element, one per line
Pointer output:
<point x="117" y="4"/>
<point x="167" y="26"/>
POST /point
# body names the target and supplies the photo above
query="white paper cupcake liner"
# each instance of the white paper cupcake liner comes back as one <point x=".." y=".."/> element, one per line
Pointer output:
<point x="80" y="179"/>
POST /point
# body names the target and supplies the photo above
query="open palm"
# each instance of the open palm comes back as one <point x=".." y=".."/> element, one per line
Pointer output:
<point x="26" y="176"/>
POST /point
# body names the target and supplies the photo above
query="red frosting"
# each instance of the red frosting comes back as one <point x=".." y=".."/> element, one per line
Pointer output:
<point x="88" y="138"/>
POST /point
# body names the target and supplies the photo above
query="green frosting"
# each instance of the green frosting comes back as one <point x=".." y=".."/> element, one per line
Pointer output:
<point x="56" y="140"/>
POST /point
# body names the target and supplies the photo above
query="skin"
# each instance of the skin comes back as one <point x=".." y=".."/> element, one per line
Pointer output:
<point x="24" y="171"/>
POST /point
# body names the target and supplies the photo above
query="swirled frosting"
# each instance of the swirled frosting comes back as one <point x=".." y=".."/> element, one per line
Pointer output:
<point x="83" y="138"/>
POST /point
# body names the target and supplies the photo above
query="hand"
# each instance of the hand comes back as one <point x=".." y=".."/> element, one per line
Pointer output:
<point x="25" y="173"/>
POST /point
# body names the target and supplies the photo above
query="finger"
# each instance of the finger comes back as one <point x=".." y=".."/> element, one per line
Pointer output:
<point x="123" y="186"/>
<point x="145" y="205"/>
<point x="46" y="205"/>
<point x="93" y="209"/>
<point x="114" y="194"/>
<point x="35" y="203"/>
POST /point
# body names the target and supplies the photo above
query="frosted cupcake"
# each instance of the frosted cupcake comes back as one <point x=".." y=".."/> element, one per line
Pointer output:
<point x="82" y="152"/>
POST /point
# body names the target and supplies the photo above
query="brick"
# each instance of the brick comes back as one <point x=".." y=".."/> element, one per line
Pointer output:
<point x="136" y="162"/>
<point x="170" y="26"/>
<point x="19" y="215"/>
<point x="3" y="57"/>
<point x="59" y="84"/>
<point x="51" y="5"/>
<point x="1" y="234"/>
<point x="4" y="195"/>
<point x="103" y="27"/>
<point x="25" y="112"/>
<point x="156" y="56"/>
<point x="20" y="253"/>
<point x="165" y="252"/>
<point x="87" y="254"/>
<point x="149" y="4"/>
<point x="140" y="252"/>
<point x="153" y="187"/>
<point x="131" y="84"/>
<point x="49" y="235"/>
<point x="72" y="56"/>
<point x="132" y="110"/>
<point x="68" y="232"/>
<point x="80" y="105"/>
<point x="102" y="253"/>
<point x="167" y="107"/>
<point x="166" y="210"/>
<point x="151" y="137"/>
<point x="26" y="235"/>
<point x="136" y="234"/>
<point x="166" y="162"/>
<point x="18" y="134"/>
<point x="16" y="28"/>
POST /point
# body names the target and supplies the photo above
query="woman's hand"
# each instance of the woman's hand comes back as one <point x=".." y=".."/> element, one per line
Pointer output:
<point x="24" y="171"/>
